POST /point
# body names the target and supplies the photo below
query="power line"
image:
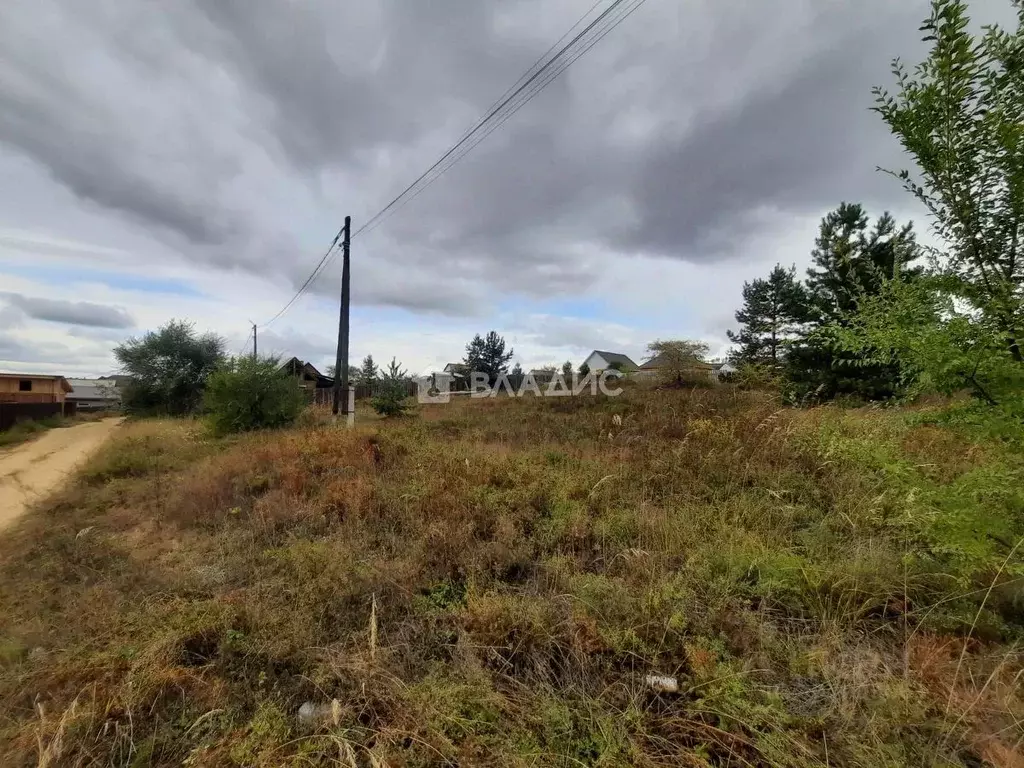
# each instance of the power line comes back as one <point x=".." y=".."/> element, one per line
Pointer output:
<point x="309" y="280"/>
<point x="552" y="75"/>
<point x="244" y="344"/>
<point x="494" y="111"/>
<point x="326" y="258"/>
<point x="531" y="83"/>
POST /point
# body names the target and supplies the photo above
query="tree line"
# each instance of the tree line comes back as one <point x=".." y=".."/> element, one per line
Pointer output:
<point x="784" y="320"/>
<point x="878" y="315"/>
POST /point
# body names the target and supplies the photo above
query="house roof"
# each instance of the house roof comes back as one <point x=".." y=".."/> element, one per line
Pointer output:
<point x="456" y="369"/>
<point x="94" y="389"/>
<point x="658" y="361"/>
<point x="47" y="376"/>
<point x="294" y="365"/>
<point x="615" y="357"/>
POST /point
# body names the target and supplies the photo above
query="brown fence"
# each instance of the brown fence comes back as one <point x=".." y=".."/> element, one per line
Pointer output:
<point x="324" y="396"/>
<point x="364" y="391"/>
<point x="12" y="413"/>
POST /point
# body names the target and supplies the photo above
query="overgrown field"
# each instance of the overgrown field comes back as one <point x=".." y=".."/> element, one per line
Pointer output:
<point x="490" y="583"/>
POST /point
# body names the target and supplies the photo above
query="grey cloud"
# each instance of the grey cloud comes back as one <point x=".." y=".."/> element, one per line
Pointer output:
<point x="13" y="350"/>
<point x="576" y="333"/>
<point x="71" y="312"/>
<point x="240" y="133"/>
<point x="19" y="353"/>
<point x="111" y="336"/>
<point x="808" y="145"/>
<point x="314" y="349"/>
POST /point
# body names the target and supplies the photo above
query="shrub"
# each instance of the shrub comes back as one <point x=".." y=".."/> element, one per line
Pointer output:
<point x="390" y="400"/>
<point x="251" y="394"/>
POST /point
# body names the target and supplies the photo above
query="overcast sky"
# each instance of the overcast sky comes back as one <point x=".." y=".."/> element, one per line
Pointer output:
<point x="194" y="159"/>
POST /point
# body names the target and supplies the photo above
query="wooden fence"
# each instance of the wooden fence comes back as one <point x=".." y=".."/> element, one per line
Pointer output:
<point x="324" y="396"/>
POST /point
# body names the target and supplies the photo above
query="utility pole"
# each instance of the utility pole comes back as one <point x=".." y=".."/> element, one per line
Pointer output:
<point x="254" y="341"/>
<point x="341" y="363"/>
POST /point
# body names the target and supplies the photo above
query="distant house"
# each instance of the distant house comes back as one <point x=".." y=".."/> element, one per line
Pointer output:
<point x="723" y="369"/>
<point x="316" y="386"/>
<point x="598" y="361"/>
<point x="696" y="367"/>
<point x="94" y="394"/>
<point x="456" y="370"/>
<point x="33" y="388"/>
<point x="456" y="376"/>
<point x="543" y="375"/>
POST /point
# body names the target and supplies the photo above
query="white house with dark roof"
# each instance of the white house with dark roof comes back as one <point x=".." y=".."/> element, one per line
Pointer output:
<point x="599" y="360"/>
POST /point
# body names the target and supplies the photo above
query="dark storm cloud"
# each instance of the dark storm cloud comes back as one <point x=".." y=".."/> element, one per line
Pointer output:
<point x="70" y="312"/>
<point x="240" y="132"/>
<point x="807" y="143"/>
<point x="59" y="110"/>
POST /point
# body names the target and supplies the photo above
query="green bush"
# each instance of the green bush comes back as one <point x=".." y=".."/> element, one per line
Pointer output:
<point x="249" y="394"/>
<point x="390" y="400"/>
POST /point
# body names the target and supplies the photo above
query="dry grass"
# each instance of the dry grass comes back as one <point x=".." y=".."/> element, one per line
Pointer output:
<point x="490" y="582"/>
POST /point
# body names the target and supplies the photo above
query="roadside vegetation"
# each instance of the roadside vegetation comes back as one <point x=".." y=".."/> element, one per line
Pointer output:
<point x="32" y="428"/>
<point x="26" y="430"/>
<point x="491" y="582"/>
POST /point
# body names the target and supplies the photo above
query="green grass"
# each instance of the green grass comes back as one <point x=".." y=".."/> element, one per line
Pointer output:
<point x="26" y="430"/>
<point x="492" y="584"/>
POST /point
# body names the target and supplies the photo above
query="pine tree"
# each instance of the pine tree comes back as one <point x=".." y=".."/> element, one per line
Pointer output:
<point x="770" y="318"/>
<point x="488" y="355"/>
<point x="851" y="261"/>
<point x="395" y="372"/>
<point x="368" y="372"/>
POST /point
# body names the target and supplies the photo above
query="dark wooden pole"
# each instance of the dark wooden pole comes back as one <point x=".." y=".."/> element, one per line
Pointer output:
<point x="341" y="363"/>
<point x="254" y="341"/>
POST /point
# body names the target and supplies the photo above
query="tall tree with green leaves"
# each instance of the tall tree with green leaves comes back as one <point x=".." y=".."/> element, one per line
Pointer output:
<point x="960" y="115"/>
<point x="368" y="371"/>
<point x="681" y="362"/>
<point x="168" y="368"/>
<point x="487" y="354"/>
<point x="773" y="309"/>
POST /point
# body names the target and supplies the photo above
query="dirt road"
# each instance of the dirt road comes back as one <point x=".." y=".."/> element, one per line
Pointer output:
<point x="28" y="472"/>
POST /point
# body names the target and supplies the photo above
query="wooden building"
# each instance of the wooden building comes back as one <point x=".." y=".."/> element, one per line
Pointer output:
<point x="319" y="389"/>
<point x="32" y="388"/>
